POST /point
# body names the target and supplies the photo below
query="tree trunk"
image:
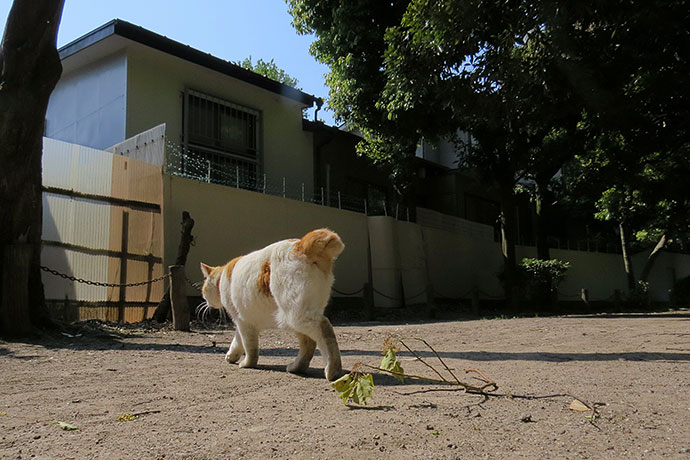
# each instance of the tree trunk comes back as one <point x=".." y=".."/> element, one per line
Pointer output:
<point x="542" y="210"/>
<point x="29" y="70"/>
<point x="627" y="261"/>
<point x="163" y="309"/>
<point x="649" y="263"/>
<point x="508" y="224"/>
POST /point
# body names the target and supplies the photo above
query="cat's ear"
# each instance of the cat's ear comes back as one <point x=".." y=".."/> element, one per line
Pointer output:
<point x="206" y="269"/>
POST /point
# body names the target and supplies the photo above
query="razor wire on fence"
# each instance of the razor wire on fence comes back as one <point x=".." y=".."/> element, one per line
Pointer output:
<point x="242" y="173"/>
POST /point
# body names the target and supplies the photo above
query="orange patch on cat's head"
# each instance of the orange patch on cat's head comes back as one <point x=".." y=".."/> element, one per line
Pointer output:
<point x="210" y="290"/>
<point x="320" y="247"/>
<point x="212" y="276"/>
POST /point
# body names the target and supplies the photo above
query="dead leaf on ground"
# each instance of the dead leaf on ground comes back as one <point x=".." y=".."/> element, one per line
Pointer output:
<point x="579" y="406"/>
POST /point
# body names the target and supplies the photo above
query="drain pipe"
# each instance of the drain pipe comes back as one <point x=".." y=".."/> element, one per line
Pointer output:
<point x="319" y="103"/>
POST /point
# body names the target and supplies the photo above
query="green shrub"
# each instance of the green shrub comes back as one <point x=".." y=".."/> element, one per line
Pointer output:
<point x="540" y="279"/>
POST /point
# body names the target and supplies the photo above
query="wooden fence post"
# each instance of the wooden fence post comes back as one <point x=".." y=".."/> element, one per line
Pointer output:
<point x="163" y="309"/>
<point x="178" y="298"/>
<point x="123" y="267"/>
<point x="14" y="309"/>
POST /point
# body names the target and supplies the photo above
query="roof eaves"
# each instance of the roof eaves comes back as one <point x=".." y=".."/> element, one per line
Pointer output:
<point x="186" y="52"/>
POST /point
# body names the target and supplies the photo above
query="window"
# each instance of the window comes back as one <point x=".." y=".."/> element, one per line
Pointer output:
<point x="224" y="137"/>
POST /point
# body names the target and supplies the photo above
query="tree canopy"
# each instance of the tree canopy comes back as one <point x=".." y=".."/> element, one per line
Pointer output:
<point x="269" y="69"/>
<point x="536" y="84"/>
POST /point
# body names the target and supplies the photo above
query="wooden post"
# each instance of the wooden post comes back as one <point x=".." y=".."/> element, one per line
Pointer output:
<point x="584" y="295"/>
<point x="148" y="288"/>
<point x="475" y="301"/>
<point x="163" y="309"/>
<point x="178" y="298"/>
<point x="14" y="313"/>
<point x="123" y="267"/>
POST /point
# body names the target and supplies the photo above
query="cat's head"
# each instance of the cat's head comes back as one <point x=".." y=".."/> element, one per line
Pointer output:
<point x="320" y="247"/>
<point x="210" y="291"/>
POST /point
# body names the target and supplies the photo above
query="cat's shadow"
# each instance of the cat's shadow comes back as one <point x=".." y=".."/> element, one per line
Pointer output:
<point x="316" y="373"/>
<point x="311" y="373"/>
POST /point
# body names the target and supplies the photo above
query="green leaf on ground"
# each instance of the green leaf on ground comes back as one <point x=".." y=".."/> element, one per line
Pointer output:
<point x="357" y="387"/>
<point x="364" y="388"/>
<point x="390" y="363"/>
<point x="126" y="417"/>
<point x="65" y="426"/>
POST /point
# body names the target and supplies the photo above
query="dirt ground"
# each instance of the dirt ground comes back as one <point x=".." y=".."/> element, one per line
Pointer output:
<point x="188" y="403"/>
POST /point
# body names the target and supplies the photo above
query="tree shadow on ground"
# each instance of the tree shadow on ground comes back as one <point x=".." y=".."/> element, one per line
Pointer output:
<point x="121" y="343"/>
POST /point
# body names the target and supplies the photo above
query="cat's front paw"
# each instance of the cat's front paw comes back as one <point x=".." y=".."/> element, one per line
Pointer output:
<point x="333" y="372"/>
<point x="232" y="358"/>
<point x="298" y="367"/>
<point x="248" y="362"/>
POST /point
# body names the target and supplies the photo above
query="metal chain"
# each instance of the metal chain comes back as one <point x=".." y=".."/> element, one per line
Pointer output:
<point x="196" y="285"/>
<point x="96" y="283"/>
<point x="347" y="293"/>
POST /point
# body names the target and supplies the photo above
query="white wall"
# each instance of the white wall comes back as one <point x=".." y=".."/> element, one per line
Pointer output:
<point x="88" y="107"/>
<point x="156" y="82"/>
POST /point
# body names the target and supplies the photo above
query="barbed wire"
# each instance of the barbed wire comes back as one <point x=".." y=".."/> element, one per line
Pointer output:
<point x="101" y="284"/>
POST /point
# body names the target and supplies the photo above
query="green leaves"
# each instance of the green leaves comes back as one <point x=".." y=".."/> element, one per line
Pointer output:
<point x="355" y="386"/>
<point x="390" y="363"/>
<point x="358" y="386"/>
<point x="65" y="426"/>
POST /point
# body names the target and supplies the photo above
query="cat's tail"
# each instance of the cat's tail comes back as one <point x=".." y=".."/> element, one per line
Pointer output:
<point x="320" y="245"/>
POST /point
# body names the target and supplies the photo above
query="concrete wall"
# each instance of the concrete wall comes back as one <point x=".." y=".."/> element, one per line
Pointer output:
<point x="88" y="107"/>
<point x="156" y="82"/>
<point x="667" y="269"/>
<point x="405" y="257"/>
<point x="231" y="222"/>
<point x="398" y="262"/>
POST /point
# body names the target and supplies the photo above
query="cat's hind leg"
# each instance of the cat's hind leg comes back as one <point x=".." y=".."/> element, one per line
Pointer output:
<point x="236" y="349"/>
<point x="306" y="353"/>
<point x="322" y="332"/>
<point x="250" y="343"/>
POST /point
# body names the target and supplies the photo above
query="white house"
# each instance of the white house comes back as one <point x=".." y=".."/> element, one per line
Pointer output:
<point x="121" y="79"/>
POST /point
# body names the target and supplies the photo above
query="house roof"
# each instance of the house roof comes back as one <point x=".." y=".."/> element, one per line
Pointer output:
<point x="151" y="39"/>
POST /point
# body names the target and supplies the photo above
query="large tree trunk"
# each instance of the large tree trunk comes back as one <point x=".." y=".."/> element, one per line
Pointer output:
<point x="29" y="70"/>
<point x="627" y="261"/>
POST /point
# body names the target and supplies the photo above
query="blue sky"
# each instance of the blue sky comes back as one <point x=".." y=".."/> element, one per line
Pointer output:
<point x="228" y="29"/>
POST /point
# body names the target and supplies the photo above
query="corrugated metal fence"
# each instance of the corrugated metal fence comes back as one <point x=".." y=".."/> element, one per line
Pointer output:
<point x="102" y="222"/>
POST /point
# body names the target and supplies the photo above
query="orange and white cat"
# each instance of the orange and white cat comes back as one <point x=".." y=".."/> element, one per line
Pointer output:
<point x="287" y="285"/>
